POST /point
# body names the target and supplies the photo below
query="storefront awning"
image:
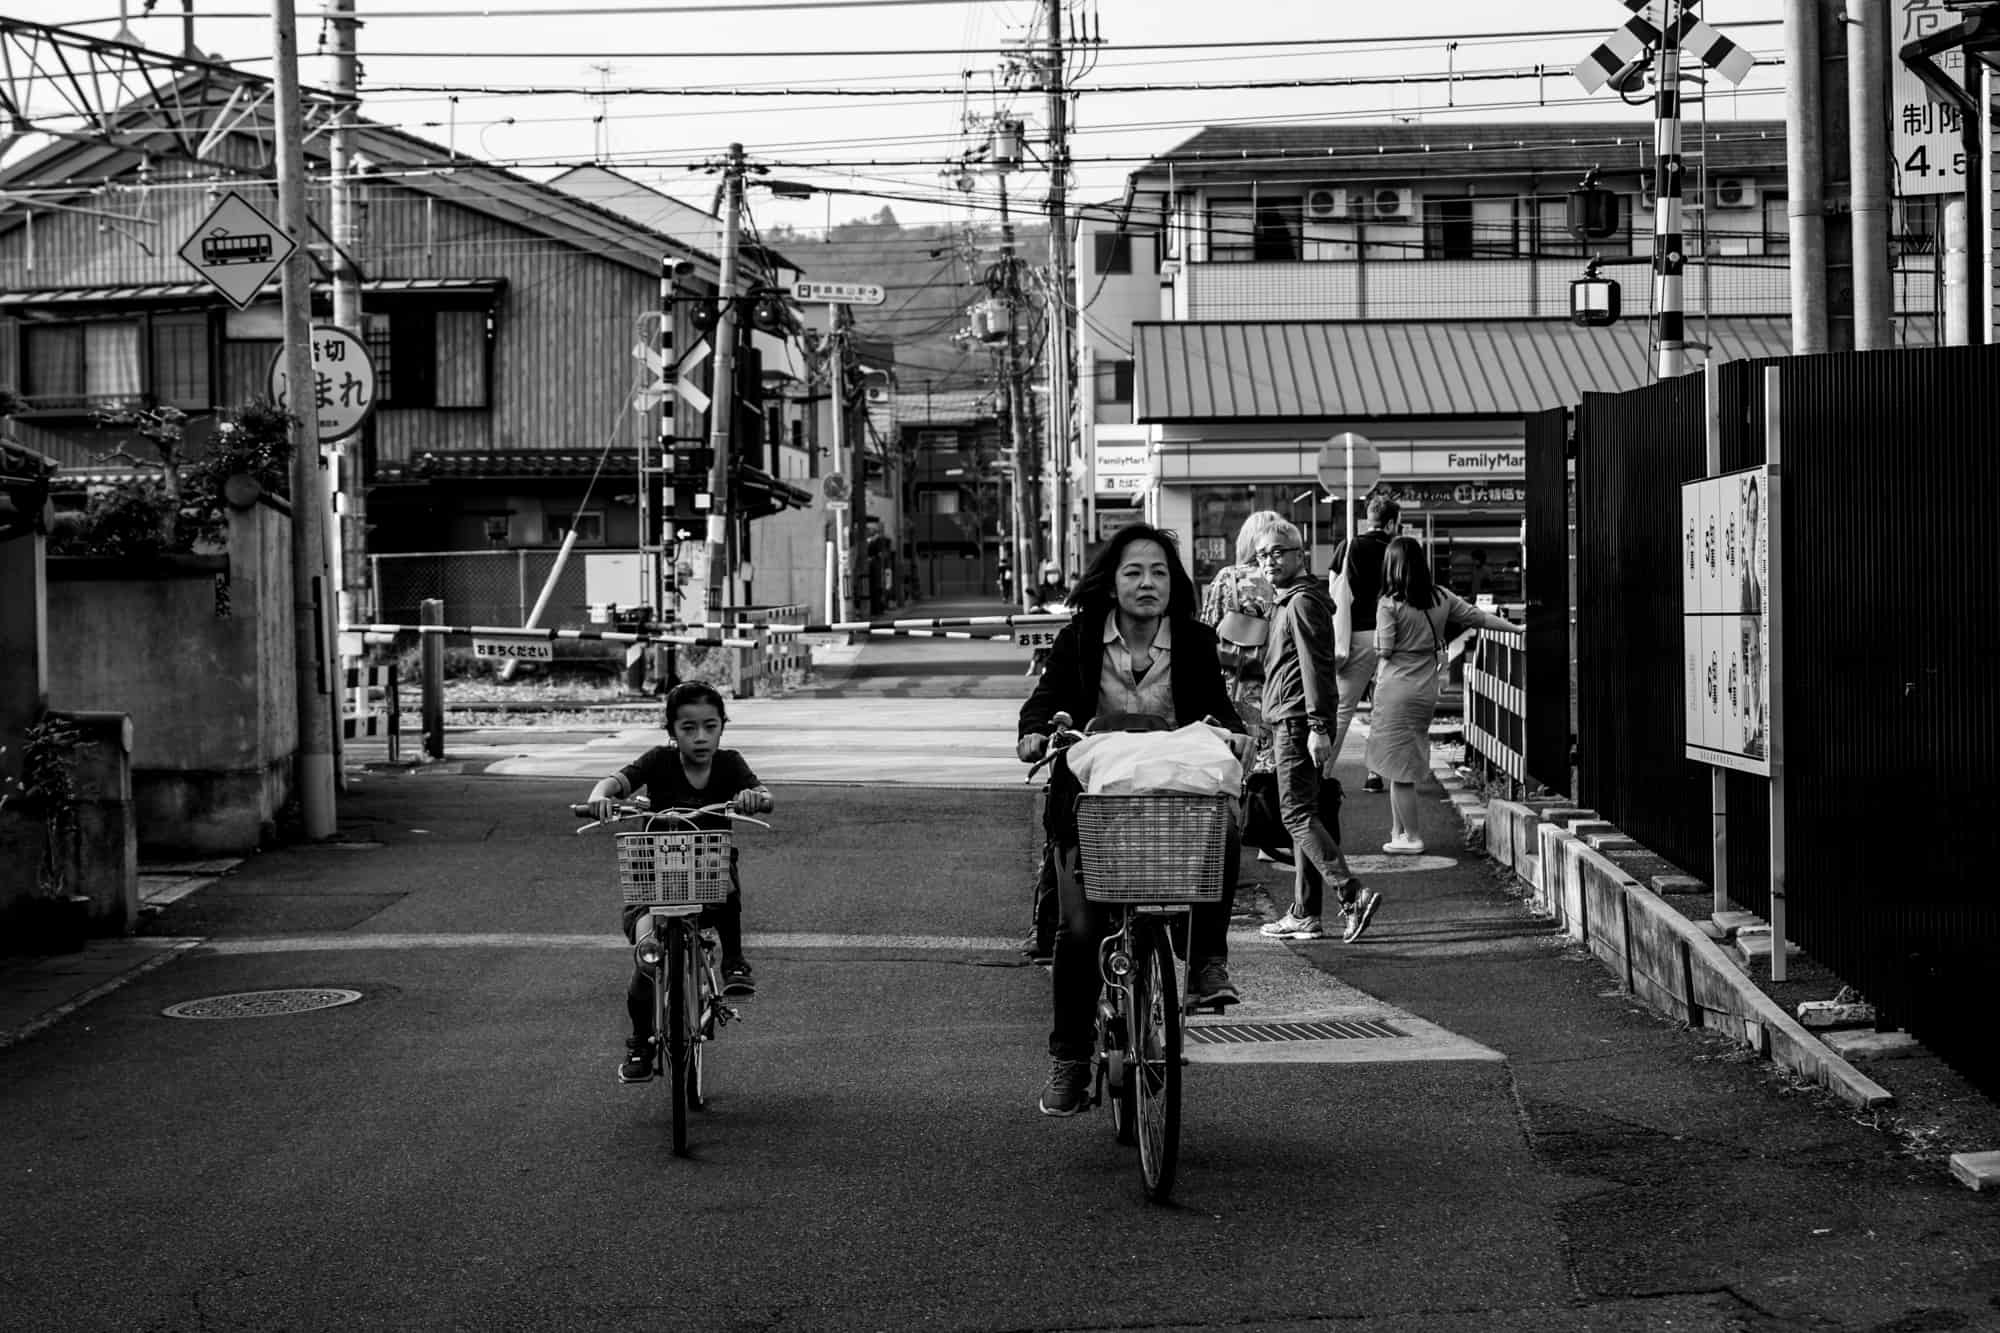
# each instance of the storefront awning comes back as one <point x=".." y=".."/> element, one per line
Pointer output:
<point x="1316" y="370"/>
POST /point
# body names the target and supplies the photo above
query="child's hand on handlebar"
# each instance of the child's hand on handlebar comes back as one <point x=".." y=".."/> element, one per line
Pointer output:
<point x="604" y="809"/>
<point x="752" y="801"/>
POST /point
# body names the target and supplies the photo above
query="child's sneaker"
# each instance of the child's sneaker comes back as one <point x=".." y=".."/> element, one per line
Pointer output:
<point x="736" y="978"/>
<point x="638" y="1063"/>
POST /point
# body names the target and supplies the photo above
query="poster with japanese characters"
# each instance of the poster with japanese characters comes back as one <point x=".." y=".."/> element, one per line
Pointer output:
<point x="1725" y="581"/>
<point x="1927" y="133"/>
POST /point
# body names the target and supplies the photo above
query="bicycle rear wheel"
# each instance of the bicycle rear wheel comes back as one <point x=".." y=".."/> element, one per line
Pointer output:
<point x="1153" y="1024"/>
<point x="678" y="1031"/>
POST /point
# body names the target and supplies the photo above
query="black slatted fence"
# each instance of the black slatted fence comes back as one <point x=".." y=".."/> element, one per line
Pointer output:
<point x="1892" y="715"/>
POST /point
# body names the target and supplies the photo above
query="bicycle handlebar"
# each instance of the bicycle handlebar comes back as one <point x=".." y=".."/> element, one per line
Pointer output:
<point x="641" y="810"/>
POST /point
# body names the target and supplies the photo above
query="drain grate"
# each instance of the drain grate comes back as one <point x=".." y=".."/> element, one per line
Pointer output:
<point x="1236" y="1034"/>
<point x="263" y="1003"/>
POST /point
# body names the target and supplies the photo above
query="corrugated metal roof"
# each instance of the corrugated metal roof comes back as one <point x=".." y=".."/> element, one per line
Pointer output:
<point x="1416" y="150"/>
<point x="1291" y="370"/>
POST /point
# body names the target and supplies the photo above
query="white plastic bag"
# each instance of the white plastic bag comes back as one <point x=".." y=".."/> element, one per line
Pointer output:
<point x="1195" y="759"/>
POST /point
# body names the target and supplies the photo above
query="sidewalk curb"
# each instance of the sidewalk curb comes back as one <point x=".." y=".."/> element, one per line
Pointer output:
<point x="1662" y="957"/>
<point x="146" y="954"/>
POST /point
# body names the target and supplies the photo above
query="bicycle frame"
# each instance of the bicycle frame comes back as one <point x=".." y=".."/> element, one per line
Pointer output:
<point x="688" y="1010"/>
<point x="1139" y="1035"/>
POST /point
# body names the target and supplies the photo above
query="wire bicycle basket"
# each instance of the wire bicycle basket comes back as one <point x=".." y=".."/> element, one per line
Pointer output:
<point x="674" y="867"/>
<point x="1157" y="847"/>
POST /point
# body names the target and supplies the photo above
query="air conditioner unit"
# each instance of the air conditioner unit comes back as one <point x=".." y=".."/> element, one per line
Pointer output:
<point x="1326" y="203"/>
<point x="1734" y="192"/>
<point x="1387" y="203"/>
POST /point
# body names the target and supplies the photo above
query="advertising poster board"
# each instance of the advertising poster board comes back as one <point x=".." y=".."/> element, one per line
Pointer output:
<point x="1725" y="538"/>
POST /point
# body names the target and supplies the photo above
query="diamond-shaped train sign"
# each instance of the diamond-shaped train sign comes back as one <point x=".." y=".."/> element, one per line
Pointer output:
<point x="237" y="249"/>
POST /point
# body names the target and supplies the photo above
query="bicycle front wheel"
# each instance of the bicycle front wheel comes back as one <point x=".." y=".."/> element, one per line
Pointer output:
<point x="678" y="1031"/>
<point x="1153" y="1026"/>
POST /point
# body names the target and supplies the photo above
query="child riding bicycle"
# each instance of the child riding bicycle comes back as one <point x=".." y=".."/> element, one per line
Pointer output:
<point x="693" y="771"/>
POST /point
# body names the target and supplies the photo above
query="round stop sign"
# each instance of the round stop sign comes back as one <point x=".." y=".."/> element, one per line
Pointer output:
<point x="345" y="381"/>
<point x="1334" y="458"/>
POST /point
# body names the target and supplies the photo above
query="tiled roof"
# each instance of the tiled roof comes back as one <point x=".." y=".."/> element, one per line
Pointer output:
<point x="1412" y="151"/>
<point x="1319" y="370"/>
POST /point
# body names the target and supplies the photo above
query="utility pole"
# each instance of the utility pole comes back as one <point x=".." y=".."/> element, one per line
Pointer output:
<point x="1868" y="158"/>
<point x="350" y="521"/>
<point x="722" y="407"/>
<point x="844" y="456"/>
<point x="1017" y="428"/>
<point x="1060" y="297"/>
<point x="315" y="779"/>
<point x="1805" y="178"/>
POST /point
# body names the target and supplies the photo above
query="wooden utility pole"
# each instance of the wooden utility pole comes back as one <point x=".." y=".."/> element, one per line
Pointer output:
<point x="309" y="495"/>
<point x="722" y="407"/>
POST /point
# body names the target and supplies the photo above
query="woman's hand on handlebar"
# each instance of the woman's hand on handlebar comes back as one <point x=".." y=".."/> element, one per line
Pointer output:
<point x="1031" y="747"/>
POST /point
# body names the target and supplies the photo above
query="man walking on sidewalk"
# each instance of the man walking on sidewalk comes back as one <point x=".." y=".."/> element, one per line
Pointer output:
<point x="1301" y="695"/>
<point x="1362" y="568"/>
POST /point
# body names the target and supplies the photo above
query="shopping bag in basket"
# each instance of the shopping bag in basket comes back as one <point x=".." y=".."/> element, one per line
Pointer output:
<point x="1195" y="759"/>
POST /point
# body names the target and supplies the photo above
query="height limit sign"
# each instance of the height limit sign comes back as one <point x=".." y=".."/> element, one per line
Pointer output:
<point x="1929" y="135"/>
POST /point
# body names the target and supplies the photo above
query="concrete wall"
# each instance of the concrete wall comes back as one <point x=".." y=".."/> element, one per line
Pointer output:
<point x="199" y="651"/>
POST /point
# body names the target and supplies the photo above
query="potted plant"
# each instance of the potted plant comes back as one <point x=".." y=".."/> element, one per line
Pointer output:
<point x="56" y="919"/>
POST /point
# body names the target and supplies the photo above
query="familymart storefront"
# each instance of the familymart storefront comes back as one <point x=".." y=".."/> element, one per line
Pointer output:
<point x="1462" y="493"/>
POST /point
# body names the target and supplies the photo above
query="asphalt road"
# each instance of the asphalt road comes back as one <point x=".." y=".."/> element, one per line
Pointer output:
<point x="452" y="1150"/>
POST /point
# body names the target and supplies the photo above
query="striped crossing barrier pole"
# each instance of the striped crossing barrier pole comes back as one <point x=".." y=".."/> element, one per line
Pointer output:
<point x="1025" y="620"/>
<point x="1668" y="258"/>
<point x="517" y="632"/>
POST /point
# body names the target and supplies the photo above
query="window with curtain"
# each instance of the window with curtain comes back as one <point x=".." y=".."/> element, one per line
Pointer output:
<point x="111" y="362"/>
<point x="181" y="361"/>
<point x="462" y="364"/>
<point x="53" y="360"/>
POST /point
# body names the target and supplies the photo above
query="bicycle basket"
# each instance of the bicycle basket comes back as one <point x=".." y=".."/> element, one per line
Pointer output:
<point x="1157" y="848"/>
<point x="669" y="868"/>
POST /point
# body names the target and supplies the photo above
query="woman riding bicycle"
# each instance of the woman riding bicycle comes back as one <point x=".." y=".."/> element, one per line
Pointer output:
<point x="1134" y="647"/>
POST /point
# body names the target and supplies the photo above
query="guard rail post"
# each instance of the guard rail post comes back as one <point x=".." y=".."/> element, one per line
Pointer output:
<point x="432" y="649"/>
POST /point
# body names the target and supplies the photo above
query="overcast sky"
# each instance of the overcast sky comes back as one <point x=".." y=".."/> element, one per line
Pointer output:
<point x="901" y="150"/>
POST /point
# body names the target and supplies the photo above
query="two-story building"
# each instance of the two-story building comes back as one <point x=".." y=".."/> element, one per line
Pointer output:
<point x="1260" y="289"/>
<point x="501" y="315"/>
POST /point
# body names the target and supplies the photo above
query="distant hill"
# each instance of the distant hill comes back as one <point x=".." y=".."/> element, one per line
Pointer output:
<point x="931" y="273"/>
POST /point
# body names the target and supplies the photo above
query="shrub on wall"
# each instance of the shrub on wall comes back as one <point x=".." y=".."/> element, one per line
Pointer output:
<point x="181" y="508"/>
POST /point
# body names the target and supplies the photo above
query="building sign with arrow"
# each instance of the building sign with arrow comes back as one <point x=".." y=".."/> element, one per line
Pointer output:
<point x="237" y="249"/>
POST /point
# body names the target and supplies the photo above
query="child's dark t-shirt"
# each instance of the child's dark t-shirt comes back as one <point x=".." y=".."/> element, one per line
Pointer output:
<point x="658" y="773"/>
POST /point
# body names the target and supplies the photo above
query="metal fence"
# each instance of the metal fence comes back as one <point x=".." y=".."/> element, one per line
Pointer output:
<point x="482" y="587"/>
<point x="1891" y="716"/>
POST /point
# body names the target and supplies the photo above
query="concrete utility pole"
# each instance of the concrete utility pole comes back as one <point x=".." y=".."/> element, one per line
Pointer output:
<point x="1017" y="427"/>
<point x="1060" y="298"/>
<point x="722" y="408"/>
<point x="309" y="495"/>
<point x="1868" y="158"/>
<point x="1805" y="198"/>
<point x="350" y="565"/>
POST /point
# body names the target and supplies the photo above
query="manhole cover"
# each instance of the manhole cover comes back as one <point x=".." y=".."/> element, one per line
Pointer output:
<point x="263" y="1003"/>
<point x="1349" y="1029"/>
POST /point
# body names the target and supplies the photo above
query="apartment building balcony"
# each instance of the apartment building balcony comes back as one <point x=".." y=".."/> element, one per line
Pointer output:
<point x="1494" y="288"/>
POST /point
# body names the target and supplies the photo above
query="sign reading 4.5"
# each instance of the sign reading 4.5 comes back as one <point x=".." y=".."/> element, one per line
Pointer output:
<point x="344" y="381"/>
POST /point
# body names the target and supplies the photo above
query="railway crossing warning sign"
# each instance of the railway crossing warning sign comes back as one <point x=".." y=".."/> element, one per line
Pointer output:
<point x="1623" y="46"/>
<point x="237" y="249"/>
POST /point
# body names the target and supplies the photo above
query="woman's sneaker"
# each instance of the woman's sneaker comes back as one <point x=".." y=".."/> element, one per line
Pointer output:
<point x="1406" y="845"/>
<point x="736" y="978"/>
<point x="638" y="1063"/>
<point x="1291" y="926"/>
<point x="1358" y="911"/>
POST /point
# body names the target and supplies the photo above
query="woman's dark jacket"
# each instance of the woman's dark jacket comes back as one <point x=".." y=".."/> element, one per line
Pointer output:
<point x="1069" y="684"/>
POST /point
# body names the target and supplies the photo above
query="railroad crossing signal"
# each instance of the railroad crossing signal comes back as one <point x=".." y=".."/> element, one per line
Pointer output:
<point x="1623" y="46"/>
<point x="682" y="384"/>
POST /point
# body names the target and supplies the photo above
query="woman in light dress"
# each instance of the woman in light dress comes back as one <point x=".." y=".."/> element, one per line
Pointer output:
<point x="1413" y="622"/>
